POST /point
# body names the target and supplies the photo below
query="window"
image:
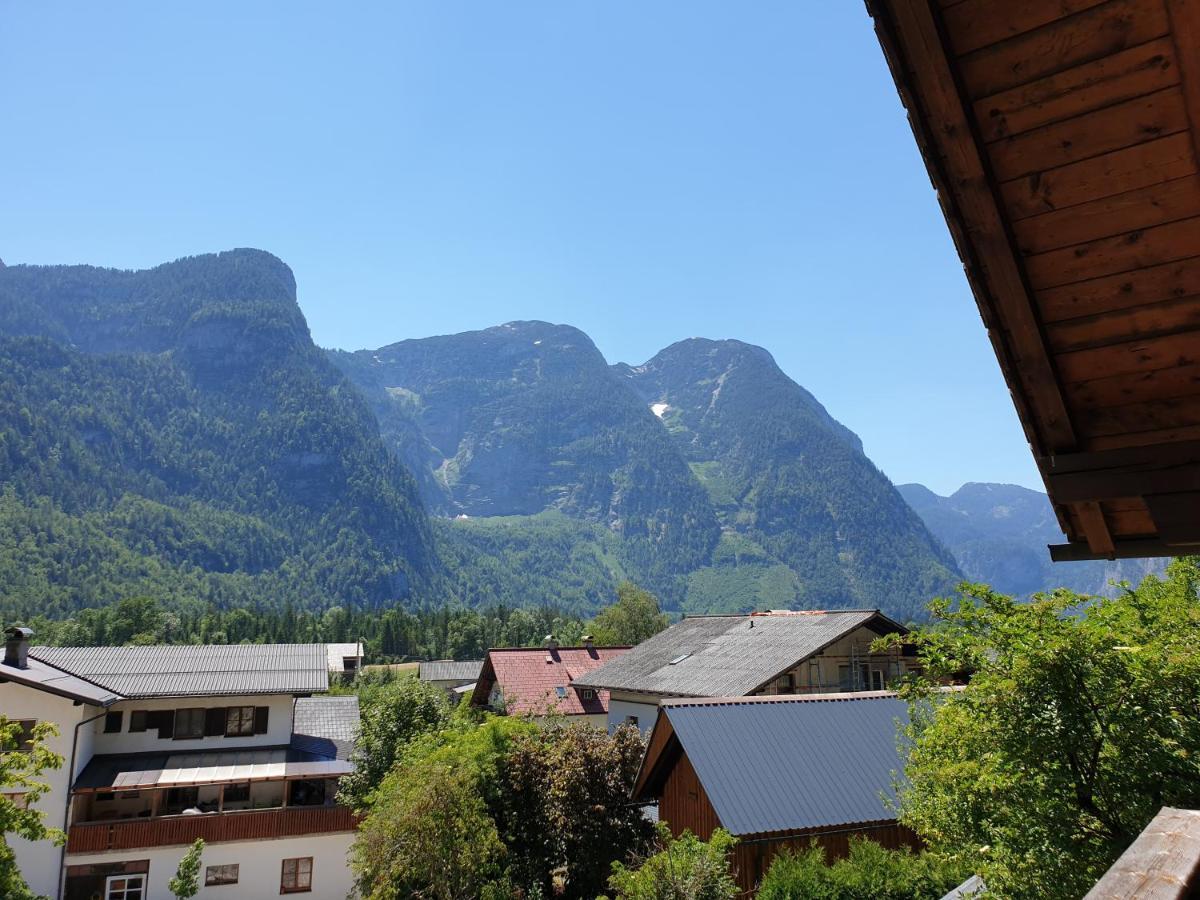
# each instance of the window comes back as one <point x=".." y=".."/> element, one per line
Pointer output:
<point x="237" y="793"/>
<point x="125" y="887"/>
<point x="876" y="682"/>
<point x="239" y="721"/>
<point x="189" y="723"/>
<point x="786" y="684"/>
<point x="113" y="722"/>
<point x="587" y="694"/>
<point x="214" y="875"/>
<point x="631" y="720"/>
<point x="137" y="721"/>
<point x="297" y="875"/>
<point x="560" y="692"/>
<point x="21" y="738"/>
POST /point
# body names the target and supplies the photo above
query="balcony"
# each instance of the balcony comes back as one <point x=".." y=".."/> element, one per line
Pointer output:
<point x="247" y="825"/>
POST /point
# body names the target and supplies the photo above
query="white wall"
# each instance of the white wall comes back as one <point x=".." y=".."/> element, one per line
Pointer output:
<point x="38" y="861"/>
<point x="621" y="705"/>
<point x="260" y="865"/>
<point x="279" y="726"/>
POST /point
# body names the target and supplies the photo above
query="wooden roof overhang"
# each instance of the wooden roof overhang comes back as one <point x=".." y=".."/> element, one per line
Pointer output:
<point x="1061" y="137"/>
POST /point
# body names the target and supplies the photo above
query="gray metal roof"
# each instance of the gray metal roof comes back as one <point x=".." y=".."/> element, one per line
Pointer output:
<point x="790" y="763"/>
<point x="449" y="670"/>
<point x="44" y="677"/>
<point x="195" y="670"/>
<point x="326" y="726"/>
<point x="725" y="656"/>
<point x="972" y="887"/>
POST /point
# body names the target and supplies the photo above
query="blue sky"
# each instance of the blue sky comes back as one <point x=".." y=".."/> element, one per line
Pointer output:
<point x="645" y="171"/>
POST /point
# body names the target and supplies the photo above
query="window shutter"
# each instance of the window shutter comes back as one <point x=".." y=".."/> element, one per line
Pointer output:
<point x="166" y="724"/>
<point x="214" y="722"/>
<point x="260" y="719"/>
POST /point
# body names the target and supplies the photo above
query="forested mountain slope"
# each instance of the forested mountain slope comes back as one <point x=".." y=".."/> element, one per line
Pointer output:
<point x="175" y="432"/>
<point x="791" y="485"/>
<point x="999" y="532"/>
<point x="706" y="474"/>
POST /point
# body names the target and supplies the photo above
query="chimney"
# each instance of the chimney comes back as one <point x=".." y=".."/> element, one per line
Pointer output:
<point x="589" y="645"/>
<point x="551" y="643"/>
<point x="16" y="646"/>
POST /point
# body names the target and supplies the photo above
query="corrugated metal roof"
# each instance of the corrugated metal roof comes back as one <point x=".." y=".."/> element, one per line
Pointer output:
<point x="196" y="670"/>
<point x="790" y="763"/>
<point x="972" y="887"/>
<point x="719" y="656"/>
<point x="450" y="670"/>
<point x="44" y="677"/>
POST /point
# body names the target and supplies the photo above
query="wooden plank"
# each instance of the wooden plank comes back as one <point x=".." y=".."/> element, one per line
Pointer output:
<point x="1148" y="415"/>
<point x="1095" y="529"/>
<point x="1163" y="863"/>
<point x="1110" y="256"/>
<point x="1143" y="438"/>
<point x="1177" y="381"/>
<point x="1108" y="216"/>
<point x="1131" y="73"/>
<point x="1091" y="134"/>
<point x="1102" y="176"/>
<point x="1175" y="516"/>
<point x="1161" y="456"/>
<point x="978" y="23"/>
<point x="913" y="46"/>
<point x="1157" y="283"/>
<point x="1124" y="549"/>
<point x="1136" y="323"/>
<point x="1181" y="349"/>
<point x="1121" y="524"/>
<point x="1185" y="31"/>
<point x="1091" y="35"/>
<point x="1112" y="484"/>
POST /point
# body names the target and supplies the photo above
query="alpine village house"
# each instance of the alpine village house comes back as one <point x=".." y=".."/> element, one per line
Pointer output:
<point x="166" y="744"/>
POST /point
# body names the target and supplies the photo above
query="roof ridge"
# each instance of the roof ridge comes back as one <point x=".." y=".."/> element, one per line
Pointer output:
<point x="781" y="698"/>
<point x="541" y="650"/>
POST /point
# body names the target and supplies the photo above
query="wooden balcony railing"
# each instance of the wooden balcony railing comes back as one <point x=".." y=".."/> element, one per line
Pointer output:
<point x="250" y="825"/>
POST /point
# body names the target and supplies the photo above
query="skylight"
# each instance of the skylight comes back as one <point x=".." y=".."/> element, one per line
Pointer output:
<point x="561" y="691"/>
<point x="679" y="659"/>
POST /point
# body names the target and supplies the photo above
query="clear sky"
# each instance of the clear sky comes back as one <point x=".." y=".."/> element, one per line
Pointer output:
<point x="645" y="171"/>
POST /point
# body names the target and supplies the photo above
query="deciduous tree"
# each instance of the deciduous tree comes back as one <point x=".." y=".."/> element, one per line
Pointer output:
<point x="24" y="758"/>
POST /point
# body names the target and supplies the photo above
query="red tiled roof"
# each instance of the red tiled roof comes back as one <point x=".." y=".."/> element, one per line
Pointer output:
<point x="528" y="678"/>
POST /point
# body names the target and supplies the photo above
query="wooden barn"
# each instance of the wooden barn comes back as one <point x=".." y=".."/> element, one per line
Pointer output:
<point x="778" y="772"/>
<point x="1061" y="138"/>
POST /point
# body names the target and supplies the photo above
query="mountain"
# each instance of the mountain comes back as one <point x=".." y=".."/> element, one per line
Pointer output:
<point x="999" y="532"/>
<point x="175" y="432"/>
<point x="527" y="418"/>
<point x="791" y="486"/>
<point x="706" y="474"/>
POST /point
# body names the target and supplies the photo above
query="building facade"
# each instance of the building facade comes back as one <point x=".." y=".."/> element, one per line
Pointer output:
<point x="164" y="745"/>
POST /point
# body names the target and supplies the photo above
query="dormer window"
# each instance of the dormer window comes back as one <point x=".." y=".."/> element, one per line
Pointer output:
<point x="587" y="694"/>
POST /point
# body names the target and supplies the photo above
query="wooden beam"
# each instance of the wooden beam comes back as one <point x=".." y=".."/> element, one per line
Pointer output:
<point x="1139" y="548"/>
<point x="1095" y="528"/>
<point x="1113" y="484"/>
<point x="1171" y="454"/>
<point x="1184" y="16"/>
<point x="1176" y="516"/>
<point x="1163" y="863"/>
<point x="913" y="44"/>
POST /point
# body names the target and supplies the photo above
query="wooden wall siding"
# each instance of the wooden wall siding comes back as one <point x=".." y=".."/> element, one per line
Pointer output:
<point x="752" y="858"/>
<point x="1062" y="137"/>
<point x="214" y="828"/>
<point x="684" y="805"/>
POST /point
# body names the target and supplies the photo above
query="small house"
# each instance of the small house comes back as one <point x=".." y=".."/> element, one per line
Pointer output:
<point x="778" y="772"/>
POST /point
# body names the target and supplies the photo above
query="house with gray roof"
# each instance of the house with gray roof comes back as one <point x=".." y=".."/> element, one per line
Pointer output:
<point x="166" y="744"/>
<point x="778" y="772"/>
<point x="449" y="674"/>
<point x="760" y="654"/>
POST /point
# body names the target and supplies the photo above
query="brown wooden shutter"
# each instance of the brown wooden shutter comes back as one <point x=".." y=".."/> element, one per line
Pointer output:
<point x="214" y="722"/>
<point x="260" y="719"/>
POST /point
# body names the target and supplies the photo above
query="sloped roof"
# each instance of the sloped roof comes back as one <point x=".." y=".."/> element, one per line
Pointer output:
<point x="44" y="677"/>
<point x="450" y="670"/>
<point x="729" y="656"/>
<point x="195" y="670"/>
<point x="783" y="764"/>
<point x="529" y="679"/>
<point x="144" y="771"/>
<point x="326" y="726"/>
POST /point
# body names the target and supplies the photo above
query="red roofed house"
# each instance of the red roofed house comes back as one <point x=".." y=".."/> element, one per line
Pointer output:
<point x="540" y="681"/>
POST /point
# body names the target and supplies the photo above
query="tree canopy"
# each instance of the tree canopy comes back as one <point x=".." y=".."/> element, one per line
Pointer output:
<point x="1080" y="720"/>
<point x="633" y="618"/>
<point x="24" y="757"/>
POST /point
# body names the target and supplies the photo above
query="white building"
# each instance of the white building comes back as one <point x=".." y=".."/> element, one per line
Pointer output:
<point x="760" y="654"/>
<point x="163" y="745"/>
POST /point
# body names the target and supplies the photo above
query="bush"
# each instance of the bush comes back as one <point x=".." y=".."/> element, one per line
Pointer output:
<point x="870" y="872"/>
<point x="686" y="868"/>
